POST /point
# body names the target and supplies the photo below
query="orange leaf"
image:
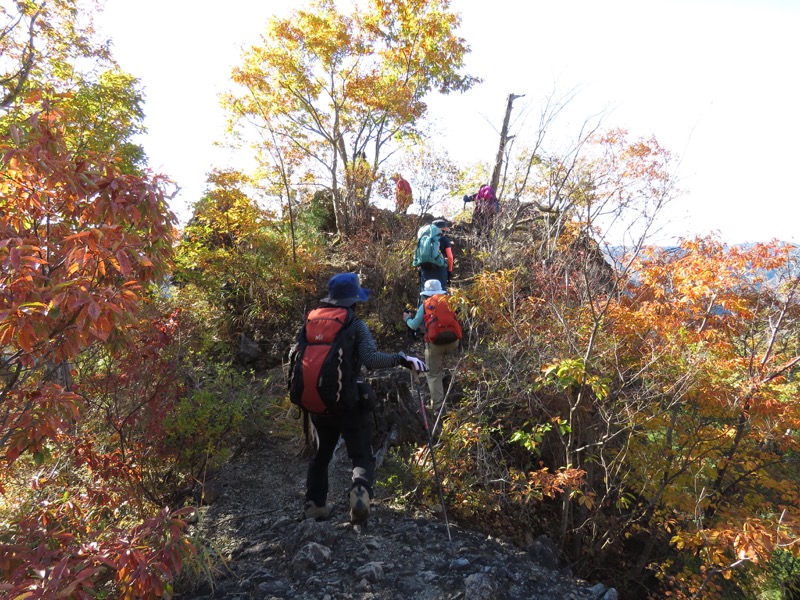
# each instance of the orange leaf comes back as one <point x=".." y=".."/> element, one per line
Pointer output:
<point x="26" y="337"/>
<point x="76" y="236"/>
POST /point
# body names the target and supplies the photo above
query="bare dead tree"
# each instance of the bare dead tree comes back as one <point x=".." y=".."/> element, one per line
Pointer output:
<point x="504" y="138"/>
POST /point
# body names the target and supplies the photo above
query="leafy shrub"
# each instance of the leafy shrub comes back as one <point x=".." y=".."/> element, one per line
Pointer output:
<point x="226" y="409"/>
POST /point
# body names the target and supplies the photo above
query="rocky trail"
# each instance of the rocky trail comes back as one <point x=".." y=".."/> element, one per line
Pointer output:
<point x="261" y="548"/>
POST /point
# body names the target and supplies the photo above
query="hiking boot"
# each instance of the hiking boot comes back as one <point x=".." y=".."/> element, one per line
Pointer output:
<point x="318" y="513"/>
<point x="359" y="504"/>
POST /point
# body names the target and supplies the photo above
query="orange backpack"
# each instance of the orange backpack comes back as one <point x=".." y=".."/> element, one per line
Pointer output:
<point x="441" y="326"/>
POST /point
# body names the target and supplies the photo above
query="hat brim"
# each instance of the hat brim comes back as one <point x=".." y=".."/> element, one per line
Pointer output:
<point x="432" y="293"/>
<point x="363" y="296"/>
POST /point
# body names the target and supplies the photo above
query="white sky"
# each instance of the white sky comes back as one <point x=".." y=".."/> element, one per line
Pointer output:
<point x="716" y="82"/>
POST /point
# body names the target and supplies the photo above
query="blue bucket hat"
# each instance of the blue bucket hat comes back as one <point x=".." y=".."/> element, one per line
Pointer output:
<point x="344" y="289"/>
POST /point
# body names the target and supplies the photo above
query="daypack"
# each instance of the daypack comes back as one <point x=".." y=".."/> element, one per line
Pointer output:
<point x="486" y="203"/>
<point x="441" y="326"/>
<point x="428" y="251"/>
<point x="322" y="373"/>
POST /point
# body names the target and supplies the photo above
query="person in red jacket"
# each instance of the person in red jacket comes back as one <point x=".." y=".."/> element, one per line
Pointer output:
<point x="403" y="198"/>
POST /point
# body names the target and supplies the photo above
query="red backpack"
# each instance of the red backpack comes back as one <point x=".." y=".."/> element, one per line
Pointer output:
<point x="322" y="369"/>
<point x="441" y="326"/>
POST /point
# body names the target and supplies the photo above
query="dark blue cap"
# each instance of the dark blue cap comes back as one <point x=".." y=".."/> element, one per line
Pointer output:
<point x="344" y="289"/>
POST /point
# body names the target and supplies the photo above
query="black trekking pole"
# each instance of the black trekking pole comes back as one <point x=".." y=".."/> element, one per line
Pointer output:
<point x="415" y="381"/>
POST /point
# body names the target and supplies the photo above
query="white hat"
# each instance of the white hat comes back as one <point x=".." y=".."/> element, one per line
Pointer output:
<point x="432" y="287"/>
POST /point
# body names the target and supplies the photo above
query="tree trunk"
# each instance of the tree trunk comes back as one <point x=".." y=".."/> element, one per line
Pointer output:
<point x="498" y="163"/>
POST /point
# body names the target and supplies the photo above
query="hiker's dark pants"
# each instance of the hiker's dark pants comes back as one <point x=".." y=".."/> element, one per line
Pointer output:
<point x="356" y="429"/>
<point x="429" y="271"/>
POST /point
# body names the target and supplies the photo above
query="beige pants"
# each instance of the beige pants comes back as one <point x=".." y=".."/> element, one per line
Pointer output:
<point x="434" y="357"/>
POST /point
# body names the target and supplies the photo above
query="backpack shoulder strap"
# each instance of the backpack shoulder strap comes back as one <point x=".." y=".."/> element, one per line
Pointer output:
<point x="430" y="304"/>
<point x="350" y="318"/>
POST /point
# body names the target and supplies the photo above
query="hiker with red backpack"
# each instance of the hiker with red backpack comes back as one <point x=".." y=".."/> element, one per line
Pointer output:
<point x="442" y="334"/>
<point x="487" y="207"/>
<point x="433" y="255"/>
<point x="324" y="370"/>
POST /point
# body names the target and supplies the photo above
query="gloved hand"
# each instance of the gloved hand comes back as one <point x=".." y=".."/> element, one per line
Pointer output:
<point x="413" y="363"/>
<point x="468" y="198"/>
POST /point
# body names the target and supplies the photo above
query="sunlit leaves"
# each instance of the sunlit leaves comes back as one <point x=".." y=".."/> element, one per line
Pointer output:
<point x="81" y="246"/>
<point x="44" y="41"/>
<point x="333" y="86"/>
<point x="103" y="116"/>
<point x="79" y="240"/>
<point x="678" y="399"/>
<point x="723" y="320"/>
<point x="238" y="257"/>
<point x="572" y="372"/>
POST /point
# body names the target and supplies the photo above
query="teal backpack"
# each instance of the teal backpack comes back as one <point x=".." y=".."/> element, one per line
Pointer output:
<point x="427" y="251"/>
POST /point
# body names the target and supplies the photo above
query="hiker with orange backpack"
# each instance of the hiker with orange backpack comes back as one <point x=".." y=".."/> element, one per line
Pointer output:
<point x="324" y="369"/>
<point x="442" y="334"/>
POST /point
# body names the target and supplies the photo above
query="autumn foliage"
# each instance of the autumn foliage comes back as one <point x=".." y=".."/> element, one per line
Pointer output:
<point x="671" y="388"/>
<point x="643" y="414"/>
<point x="326" y="94"/>
<point x="636" y="403"/>
<point x="80" y="243"/>
<point x="83" y="249"/>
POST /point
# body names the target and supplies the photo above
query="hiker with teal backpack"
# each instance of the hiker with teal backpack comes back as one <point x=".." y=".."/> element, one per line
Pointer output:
<point x="433" y="255"/>
<point x="324" y="372"/>
<point x="442" y="334"/>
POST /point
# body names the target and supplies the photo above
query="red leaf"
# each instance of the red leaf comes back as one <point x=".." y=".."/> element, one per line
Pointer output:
<point x="124" y="263"/>
<point x="94" y="311"/>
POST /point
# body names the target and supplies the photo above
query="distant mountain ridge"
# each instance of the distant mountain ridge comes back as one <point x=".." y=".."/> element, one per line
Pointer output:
<point x="615" y="253"/>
